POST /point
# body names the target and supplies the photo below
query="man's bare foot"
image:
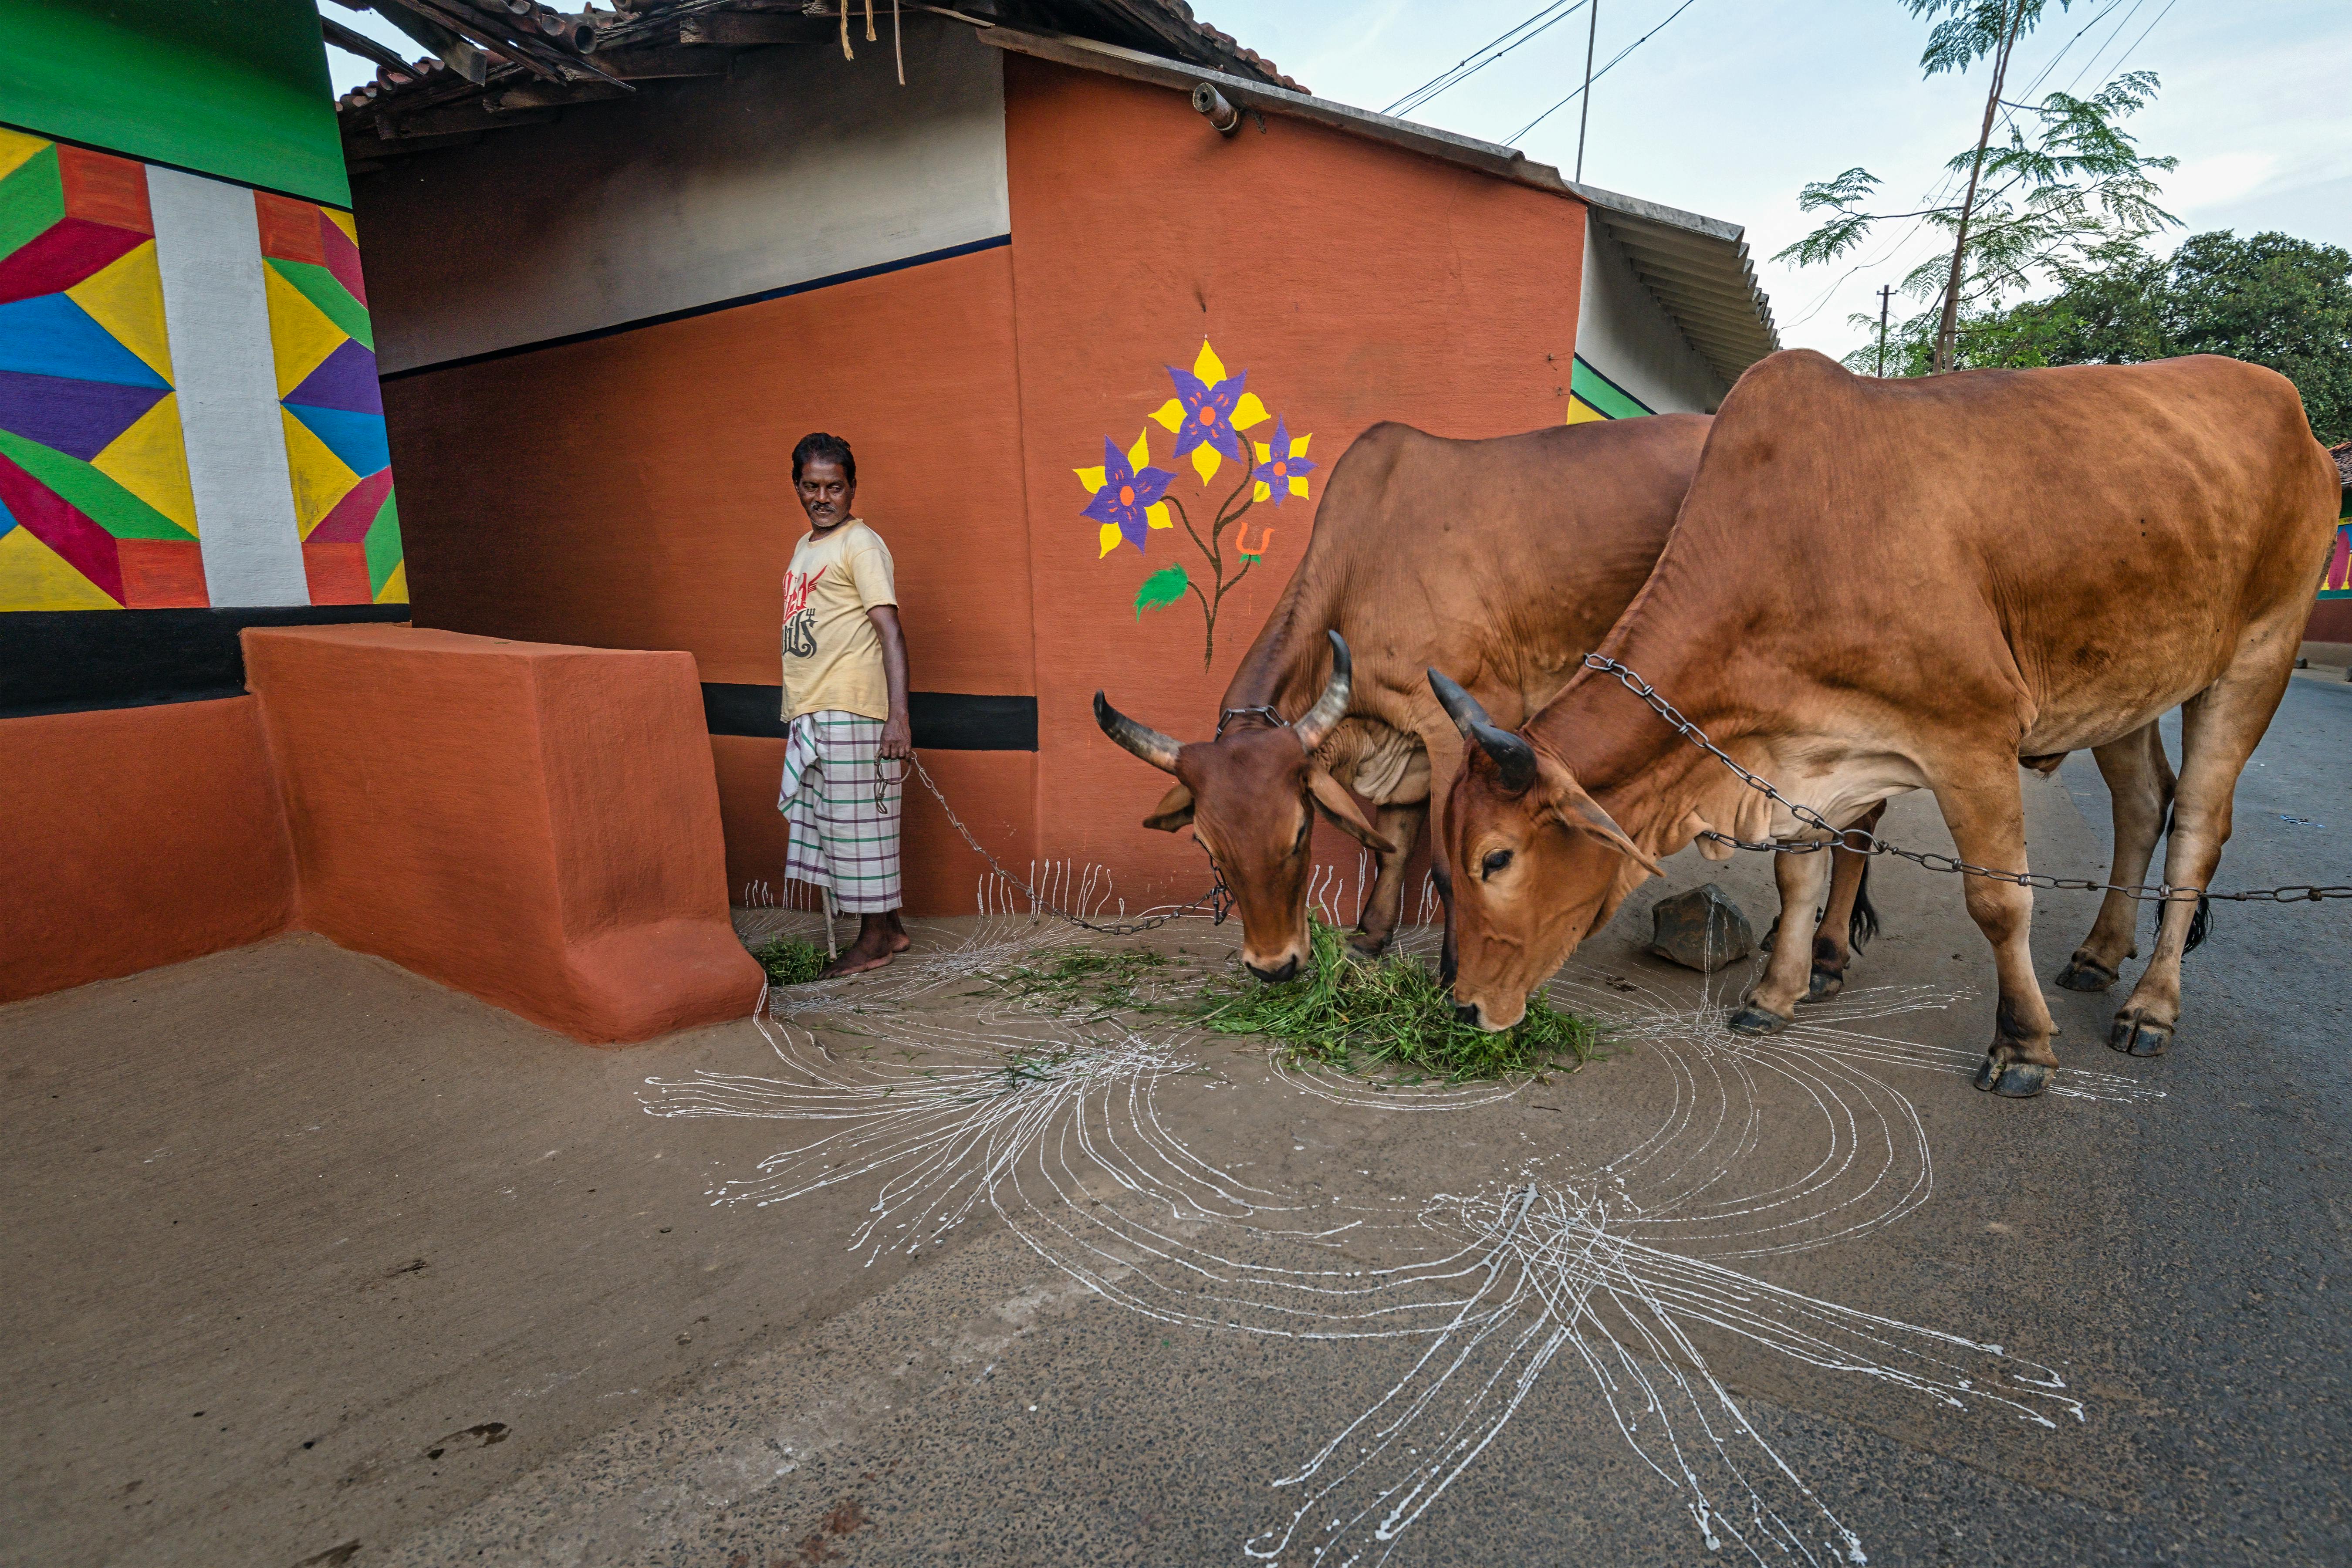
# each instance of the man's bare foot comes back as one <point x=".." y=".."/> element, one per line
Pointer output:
<point x="877" y="944"/>
<point x="856" y="961"/>
<point x="899" y="941"/>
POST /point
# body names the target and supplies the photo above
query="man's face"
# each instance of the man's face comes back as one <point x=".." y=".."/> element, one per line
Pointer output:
<point x="825" y="493"/>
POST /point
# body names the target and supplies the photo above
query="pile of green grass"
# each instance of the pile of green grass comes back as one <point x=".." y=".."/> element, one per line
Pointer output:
<point x="1387" y="1016"/>
<point x="1094" y="982"/>
<point x="1392" y="1016"/>
<point x="790" y="961"/>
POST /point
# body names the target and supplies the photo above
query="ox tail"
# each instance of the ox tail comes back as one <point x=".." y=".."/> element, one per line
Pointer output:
<point x="2200" y="926"/>
<point x="1863" y="926"/>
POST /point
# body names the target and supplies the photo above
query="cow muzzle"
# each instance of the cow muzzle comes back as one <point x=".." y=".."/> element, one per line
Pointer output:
<point x="1276" y="974"/>
<point x="1483" y="1016"/>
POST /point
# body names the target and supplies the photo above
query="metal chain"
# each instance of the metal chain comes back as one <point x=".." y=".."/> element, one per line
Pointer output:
<point x="1864" y="842"/>
<point x="1218" y="900"/>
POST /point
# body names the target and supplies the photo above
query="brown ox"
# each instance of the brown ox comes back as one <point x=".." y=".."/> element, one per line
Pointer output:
<point x="1876" y="586"/>
<point x="1506" y="559"/>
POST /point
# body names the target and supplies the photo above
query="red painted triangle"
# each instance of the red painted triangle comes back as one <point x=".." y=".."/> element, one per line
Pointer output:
<point x="59" y="524"/>
<point x="61" y="256"/>
<point x="355" y="513"/>
<point x="343" y="258"/>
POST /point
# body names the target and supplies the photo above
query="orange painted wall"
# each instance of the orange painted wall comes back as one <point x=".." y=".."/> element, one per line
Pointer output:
<point x="535" y="824"/>
<point x="136" y="836"/>
<point x="641" y="497"/>
<point x="640" y="492"/>
<point x="1354" y="283"/>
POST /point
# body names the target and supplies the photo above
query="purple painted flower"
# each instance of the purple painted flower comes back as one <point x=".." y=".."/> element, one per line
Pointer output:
<point x="1285" y="466"/>
<point x="1127" y="493"/>
<point x="1208" y="412"/>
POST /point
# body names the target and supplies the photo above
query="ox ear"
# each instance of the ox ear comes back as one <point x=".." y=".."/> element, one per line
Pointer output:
<point x="1342" y="808"/>
<point x="1174" y="810"/>
<point x="1579" y="813"/>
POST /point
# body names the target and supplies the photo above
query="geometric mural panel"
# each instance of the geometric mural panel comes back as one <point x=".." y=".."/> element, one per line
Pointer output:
<point x="324" y="350"/>
<point x="101" y="503"/>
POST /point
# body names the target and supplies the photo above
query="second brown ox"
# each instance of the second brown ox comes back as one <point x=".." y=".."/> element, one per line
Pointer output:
<point x="1876" y="586"/>
<point x="1504" y="559"/>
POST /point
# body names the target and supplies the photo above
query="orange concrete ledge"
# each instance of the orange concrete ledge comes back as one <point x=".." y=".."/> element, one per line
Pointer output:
<point x="136" y="836"/>
<point x="536" y="824"/>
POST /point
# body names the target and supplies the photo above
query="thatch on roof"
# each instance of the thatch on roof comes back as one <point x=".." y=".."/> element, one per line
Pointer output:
<point x="651" y="40"/>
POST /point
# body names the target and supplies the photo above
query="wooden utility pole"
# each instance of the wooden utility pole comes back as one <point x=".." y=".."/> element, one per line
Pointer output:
<point x="1949" y="328"/>
<point x="1584" y="113"/>
<point x="1885" y="295"/>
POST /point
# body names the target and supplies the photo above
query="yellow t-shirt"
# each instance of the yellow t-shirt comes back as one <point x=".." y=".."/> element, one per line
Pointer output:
<point x="832" y="657"/>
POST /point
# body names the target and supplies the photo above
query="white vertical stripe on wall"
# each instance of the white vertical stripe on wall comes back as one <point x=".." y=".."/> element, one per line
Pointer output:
<point x="208" y="247"/>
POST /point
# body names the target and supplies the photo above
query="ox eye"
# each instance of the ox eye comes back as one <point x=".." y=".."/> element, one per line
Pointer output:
<point x="1494" y="862"/>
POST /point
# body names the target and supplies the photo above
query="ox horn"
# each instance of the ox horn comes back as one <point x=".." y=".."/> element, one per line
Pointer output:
<point x="1512" y="755"/>
<point x="1149" y="744"/>
<point x="1314" y="726"/>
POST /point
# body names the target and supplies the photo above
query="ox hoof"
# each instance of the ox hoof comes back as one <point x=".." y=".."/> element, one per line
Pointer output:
<point x="2013" y="1080"/>
<point x="1368" y="945"/>
<point x="1753" y="1020"/>
<point x="2140" y="1036"/>
<point x="1824" y="986"/>
<point x="2086" y="973"/>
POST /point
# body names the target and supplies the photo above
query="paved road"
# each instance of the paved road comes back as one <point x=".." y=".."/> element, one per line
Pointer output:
<point x="1816" y="1296"/>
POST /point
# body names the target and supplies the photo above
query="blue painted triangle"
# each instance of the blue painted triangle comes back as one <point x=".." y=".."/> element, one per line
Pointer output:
<point x="49" y="334"/>
<point x="357" y="439"/>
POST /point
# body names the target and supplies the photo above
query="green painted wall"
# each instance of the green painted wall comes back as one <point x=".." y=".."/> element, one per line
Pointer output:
<point x="233" y="87"/>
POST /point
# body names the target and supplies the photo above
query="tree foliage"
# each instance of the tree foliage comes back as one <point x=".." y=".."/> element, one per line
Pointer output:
<point x="2270" y="300"/>
<point x="2067" y="183"/>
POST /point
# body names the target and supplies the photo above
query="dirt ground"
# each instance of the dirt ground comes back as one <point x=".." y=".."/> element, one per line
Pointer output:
<point x="314" y="1262"/>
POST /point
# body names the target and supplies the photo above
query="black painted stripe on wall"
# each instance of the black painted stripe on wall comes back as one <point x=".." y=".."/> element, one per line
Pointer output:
<point x="70" y="661"/>
<point x="945" y="254"/>
<point x="942" y="720"/>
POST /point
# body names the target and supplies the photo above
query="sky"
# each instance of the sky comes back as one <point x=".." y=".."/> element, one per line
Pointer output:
<point x="1733" y="105"/>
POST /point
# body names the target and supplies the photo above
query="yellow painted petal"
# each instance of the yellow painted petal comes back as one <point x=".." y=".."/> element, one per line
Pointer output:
<point x="1298" y="444"/>
<point x="1249" y="412"/>
<point x="1109" y="537"/>
<point x="126" y="298"/>
<point x="151" y="460"/>
<point x="1206" y="461"/>
<point x="1207" y="365"/>
<point x="1090" y="478"/>
<point x="395" y="587"/>
<point x="1299" y="487"/>
<point x="1140" y="453"/>
<point x="1264" y="452"/>
<point x="1262" y="490"/>
<point x="1156" y="514"/>
<point x="1171" y="414"/>
<point x="16" y="149"/>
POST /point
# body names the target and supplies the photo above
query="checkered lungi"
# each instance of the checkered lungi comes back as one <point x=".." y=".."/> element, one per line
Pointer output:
<point x="841" y="802"/>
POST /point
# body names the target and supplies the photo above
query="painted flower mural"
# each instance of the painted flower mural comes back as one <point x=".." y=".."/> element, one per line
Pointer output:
<point x="1209" y="418"/>
<point x="1127" y="491"/>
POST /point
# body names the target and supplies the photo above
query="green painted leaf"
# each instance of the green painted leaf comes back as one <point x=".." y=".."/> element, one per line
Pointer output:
<point x="1161" y="590"/>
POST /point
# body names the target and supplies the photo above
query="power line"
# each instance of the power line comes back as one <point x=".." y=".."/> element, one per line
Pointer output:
<point x="1486" y="53"/>
<point x="1512" y="140"/>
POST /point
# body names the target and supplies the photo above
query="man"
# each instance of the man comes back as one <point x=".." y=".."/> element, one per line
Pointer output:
<point x="848" y="739"/>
